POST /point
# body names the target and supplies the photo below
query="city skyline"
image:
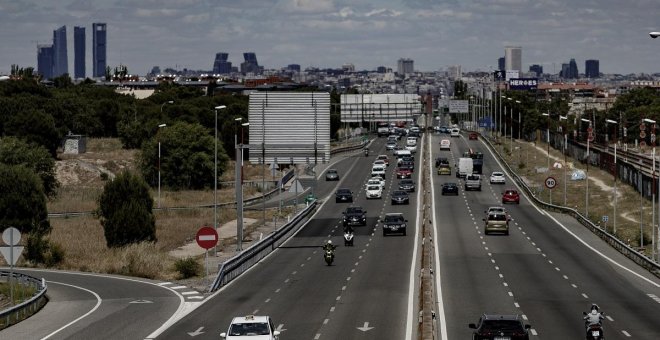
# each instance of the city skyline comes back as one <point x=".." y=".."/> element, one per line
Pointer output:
<point x="328" y="34"/>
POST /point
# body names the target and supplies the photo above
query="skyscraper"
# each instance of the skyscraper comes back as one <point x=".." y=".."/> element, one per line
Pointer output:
<point x="404" y="66"/>
<point x="513" y="58"/>
<point x="79" y="52"/>
<point x="60" y="57"/>
<point x="592" y="68"/>
<point x="220" y="64"/>
<point x="538" y="69"/>
<point x="500" y="64"/>
<point x="572" y="70"/>
<point x="99" y="49"/>
<point x="45" y="61"/>
<point x="250" y="65"/>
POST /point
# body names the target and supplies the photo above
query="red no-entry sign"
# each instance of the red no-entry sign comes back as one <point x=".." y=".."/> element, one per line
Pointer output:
<point x="207" y="237"/>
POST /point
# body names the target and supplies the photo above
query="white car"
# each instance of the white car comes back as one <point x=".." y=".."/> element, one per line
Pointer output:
<point x="497" y="178"/>
<point x="374" y="191"/>
<point x="411" y="141"/>
<point x="251" y="327"/>
<point x="376" y="181"/>
<point x="455" y="132"/>
<point x="378" y="170"/>
<point x="445" y="144"/>
<point x="379" y="162"/>
<point x="412" y="148"/>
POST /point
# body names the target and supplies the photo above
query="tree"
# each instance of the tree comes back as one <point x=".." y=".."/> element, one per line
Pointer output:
<point x="187" y="157"/>
<point x="22" y="202"/>
<point x="14" y="151"/>
<point x="125" y="209"/>
<point x="34" y="126"/>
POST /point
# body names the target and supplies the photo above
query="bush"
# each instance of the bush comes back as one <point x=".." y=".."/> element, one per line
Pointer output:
<point x="55" y="256"/>
<point x="125" y="208"/>
<point x="42" y="250"/>
<point x="188" y="267"/>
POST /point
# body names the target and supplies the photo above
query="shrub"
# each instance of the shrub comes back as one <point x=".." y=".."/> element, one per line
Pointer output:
<point x="187" y="267"/>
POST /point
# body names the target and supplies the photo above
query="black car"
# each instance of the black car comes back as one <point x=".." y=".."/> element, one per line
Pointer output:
<point x="407" y="185"/>
<point x="449" y="189"/>
<point x="394" y="223"/>
<point x="494" y="326"/>
<point x="343" y="195"/>
<point x="354" y="216"/>
<point x="441" y="161"/>
<point x="400" y="197"/>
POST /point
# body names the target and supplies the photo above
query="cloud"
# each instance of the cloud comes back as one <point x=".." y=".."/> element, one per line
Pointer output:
<point x="308" y="6"/>
<point x="383" y="12"/>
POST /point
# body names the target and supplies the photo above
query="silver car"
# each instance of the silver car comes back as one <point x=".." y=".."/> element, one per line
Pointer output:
<point x="331" y="175"/>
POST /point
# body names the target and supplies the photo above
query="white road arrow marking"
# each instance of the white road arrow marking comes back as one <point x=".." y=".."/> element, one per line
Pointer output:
<point x="365" y="327"/>
<point x="280" y="328"/>
<point x="141" y="301"/>
<point x="197" y="332"/>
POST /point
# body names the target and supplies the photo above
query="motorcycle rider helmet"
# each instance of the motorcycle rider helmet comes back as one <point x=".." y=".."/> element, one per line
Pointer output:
<point x="594" y="307"/>
<point x="329" y="241"/>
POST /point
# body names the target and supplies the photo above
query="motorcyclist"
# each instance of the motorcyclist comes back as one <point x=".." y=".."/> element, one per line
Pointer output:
<point x="594" y="317"/>
<point x="366" y="151"/>
<point x="329" y="246"/>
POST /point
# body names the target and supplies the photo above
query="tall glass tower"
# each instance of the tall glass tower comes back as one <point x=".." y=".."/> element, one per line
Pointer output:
<point x="60" y="57"/>
<point x="99" y="48"/>
<point x="79" y="52"/>
<point x="45" y="61"/>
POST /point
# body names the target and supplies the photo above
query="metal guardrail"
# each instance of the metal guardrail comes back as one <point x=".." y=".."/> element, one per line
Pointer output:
<point x="237" y="265"/>
<point x="26" y="308"/>
<point x="623" y="248"/>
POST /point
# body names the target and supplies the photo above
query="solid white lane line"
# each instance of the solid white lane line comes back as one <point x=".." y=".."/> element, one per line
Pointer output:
<point x="96" y="306"/>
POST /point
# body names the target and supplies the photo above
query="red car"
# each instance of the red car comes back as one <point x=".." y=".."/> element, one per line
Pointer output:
<point x="403" y="172"/>
<point x="510" y="196"/>
<point x="473" y="136"/>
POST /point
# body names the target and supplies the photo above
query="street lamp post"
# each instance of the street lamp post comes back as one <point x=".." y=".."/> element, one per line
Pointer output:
<point x="641" y="190"/>
<point x="167" y="102"/>
<point x="215" y="177"/>
<point x="547" y="122"/>
<point x="586" y="208"/>
<point x="159" y="126"/>
<point x="564" y="152"/>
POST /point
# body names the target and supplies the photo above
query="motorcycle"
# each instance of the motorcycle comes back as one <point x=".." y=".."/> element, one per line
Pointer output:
<point x="348" y="238"/>
<point x="329" y="256"/>
<point x="595" y="331"/>
<point x="366" y="152"/>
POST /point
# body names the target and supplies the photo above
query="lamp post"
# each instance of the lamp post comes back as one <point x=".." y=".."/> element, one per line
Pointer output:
<point x="641" y="226"/>
<point x="158" y="133"/>
<point x="547" y="122"/>
<point x="215" y="176"/>
<point x="167" y="102"/>
<point x="586" y="209"/>
<point x="564" y="152"/>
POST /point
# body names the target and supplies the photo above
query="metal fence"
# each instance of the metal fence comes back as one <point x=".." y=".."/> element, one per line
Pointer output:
<point x="237" y="265"/>
<point x="623" y="248"/>
<point x="26" y="308"/>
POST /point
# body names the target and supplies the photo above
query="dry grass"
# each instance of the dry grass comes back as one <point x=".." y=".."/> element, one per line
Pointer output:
<point x="601" y="197"/>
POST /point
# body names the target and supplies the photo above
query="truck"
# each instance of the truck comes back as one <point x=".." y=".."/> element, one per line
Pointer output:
<point x="464" y="167"/>
<point x="383" y="129"/>
<point x="477" y="163"/>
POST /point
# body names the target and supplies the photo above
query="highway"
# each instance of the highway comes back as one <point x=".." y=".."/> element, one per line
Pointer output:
<point x="549" y="269"/>
<point x="365" y="294"/>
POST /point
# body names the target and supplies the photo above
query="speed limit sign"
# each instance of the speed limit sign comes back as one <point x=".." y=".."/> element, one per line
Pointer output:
<point x="550" y="182"/>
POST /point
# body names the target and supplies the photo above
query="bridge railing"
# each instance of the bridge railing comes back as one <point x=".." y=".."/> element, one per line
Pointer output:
<point x="237" y="265"/>
<point x="23" y="310"/>
<point x="617" y="244"/>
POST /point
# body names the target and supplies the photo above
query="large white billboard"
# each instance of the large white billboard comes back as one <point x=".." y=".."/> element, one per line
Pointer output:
<point x="356" y="108"/>
<point x="458" y="106"/>
<point x="289" y="127"/>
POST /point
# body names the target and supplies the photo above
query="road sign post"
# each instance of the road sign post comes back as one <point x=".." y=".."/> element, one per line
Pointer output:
<point x="550" y="183"/>
<point x="206" y="238"/>
<point x="11" y="236"/>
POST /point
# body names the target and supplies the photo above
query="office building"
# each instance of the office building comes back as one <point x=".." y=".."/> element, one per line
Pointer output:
<point x="538" y="69"/>
<point x="79" y="52"/>
<point x="45" y="61"/>
<point x="513" y="58"/>
<point x="250" y="65"/>
<point x="405" y="66"/>
<point x="99" y="49"/>
<point x="565" y="70"/>
<point x="592" y="68"/>
<point x="500" y="64"/>
<point x="60" y="56"/>
<point x="381" y="69"/>
<point x="572" y="70"/>
<point x="220" y="64"/>
<point x="293" y="67"/>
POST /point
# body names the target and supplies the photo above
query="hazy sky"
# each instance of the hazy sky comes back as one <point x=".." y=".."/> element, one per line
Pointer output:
<point x="329" y="33"/>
